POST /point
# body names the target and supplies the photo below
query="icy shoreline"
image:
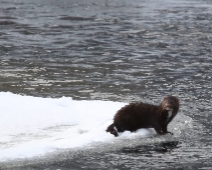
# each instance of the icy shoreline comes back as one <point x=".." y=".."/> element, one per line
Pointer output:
<point x="33" y="126"/>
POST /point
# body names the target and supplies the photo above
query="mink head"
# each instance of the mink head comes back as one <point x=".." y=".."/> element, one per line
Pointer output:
<point x="170" y="103"/>
<point x="169" y="106"/>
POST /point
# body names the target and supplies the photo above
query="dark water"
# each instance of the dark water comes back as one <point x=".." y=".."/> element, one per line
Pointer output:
<point x="117" y="50"/>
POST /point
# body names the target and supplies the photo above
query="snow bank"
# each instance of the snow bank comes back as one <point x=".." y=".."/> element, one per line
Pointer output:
<point x="32" y="126"/>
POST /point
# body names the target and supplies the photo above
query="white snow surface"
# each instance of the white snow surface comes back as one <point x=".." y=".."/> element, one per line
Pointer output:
<point x="34" y="126"/>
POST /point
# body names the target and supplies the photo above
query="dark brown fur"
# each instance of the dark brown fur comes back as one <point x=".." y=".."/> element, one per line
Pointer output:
<point x="141" y="115"/>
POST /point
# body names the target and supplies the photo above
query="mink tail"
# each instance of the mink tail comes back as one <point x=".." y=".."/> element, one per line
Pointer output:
<point x="112" y="130"/>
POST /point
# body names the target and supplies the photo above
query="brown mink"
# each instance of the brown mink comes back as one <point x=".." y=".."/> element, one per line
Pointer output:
<point x="142" y="115"/>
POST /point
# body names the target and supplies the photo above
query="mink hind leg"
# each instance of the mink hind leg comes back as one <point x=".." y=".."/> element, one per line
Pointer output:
<point x="116" y="127"/>
<point x="121" y="127"/>
<point x="112" y="130"/>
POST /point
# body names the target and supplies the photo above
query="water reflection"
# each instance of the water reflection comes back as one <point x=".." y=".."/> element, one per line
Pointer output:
<point x="162" y="147"/>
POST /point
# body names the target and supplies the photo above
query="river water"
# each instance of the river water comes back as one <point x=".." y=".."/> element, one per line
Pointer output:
<point x="116" y="50"/>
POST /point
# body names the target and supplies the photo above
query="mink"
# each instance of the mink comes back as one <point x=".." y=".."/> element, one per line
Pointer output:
<point x="143" y="115"/>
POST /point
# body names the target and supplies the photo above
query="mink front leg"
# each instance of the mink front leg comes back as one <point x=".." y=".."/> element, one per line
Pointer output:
<point x="161" y="130"/>
<point x="164" y="129"/>
<point x="158" y="129"/>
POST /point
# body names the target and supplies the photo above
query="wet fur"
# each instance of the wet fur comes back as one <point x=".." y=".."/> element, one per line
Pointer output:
<point x="142" y="115"/>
